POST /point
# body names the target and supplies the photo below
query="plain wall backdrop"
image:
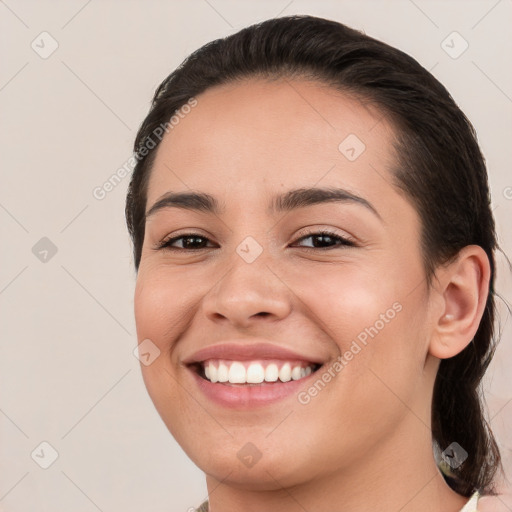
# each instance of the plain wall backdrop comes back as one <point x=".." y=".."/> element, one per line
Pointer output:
<point x="76" y="79"/>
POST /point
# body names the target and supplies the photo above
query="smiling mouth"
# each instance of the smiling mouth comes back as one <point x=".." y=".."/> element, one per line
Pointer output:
<point x="253" y="373"/>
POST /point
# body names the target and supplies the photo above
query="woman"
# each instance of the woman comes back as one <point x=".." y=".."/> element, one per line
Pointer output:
<point x="315" y="253"/>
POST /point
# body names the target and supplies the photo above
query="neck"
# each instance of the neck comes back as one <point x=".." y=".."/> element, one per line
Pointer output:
<point x="399" y="474"/>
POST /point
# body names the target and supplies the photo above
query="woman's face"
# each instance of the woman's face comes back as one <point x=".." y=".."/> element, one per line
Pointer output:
<point x="257" y="288"/>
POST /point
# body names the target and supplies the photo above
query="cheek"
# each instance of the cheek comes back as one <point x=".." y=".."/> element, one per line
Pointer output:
<point x="348" y="300"/>
<point x="379" y="327"/>
<point x="161" y="307"/>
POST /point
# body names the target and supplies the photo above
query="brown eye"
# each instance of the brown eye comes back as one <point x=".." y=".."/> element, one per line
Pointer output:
<point x="325" y="240"/>
<point x="189" y="241"/>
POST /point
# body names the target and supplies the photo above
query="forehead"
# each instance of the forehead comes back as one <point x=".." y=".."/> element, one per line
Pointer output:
<point x="260" y="134"/>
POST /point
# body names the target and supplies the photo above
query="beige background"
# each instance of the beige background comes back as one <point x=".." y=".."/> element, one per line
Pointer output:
<point x="67" y="372"/>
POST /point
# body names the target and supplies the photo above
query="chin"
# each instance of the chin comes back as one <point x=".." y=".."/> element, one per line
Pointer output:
<point x="271" y="472"/>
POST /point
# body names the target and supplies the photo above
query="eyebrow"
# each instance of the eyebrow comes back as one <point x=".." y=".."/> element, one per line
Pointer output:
<point x="286" y="202"/>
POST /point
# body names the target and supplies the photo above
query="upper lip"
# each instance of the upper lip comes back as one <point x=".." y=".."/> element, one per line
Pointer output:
<point x="245" y="351"/>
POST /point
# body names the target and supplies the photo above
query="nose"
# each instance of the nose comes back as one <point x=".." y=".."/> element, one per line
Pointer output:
<point x="248" y="293"/>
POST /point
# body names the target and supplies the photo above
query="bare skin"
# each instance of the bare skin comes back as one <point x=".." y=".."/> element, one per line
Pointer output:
<point x="364" y="441"/>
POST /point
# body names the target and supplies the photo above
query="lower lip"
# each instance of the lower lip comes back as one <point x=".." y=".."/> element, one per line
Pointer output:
<point x="246" y="396"/>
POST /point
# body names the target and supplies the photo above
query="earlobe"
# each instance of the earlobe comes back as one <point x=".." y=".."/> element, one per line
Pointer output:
<point x="464" y="289"/>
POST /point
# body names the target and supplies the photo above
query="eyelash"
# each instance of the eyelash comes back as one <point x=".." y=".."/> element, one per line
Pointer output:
<point x="166" y="243"/>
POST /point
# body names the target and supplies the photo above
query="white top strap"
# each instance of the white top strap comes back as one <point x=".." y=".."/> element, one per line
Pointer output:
<point x="471" y="505"/>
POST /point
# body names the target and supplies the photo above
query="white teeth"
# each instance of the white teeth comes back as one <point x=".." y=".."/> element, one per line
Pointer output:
<point x="271" y="373"/>
<point x="222" y="373"/>
<point x="255" y="374"/>
<point x="213" y="373"/>
<point x="296" y="372"/>
<point x="235" y="372"/>
<point x="285" y="373"/>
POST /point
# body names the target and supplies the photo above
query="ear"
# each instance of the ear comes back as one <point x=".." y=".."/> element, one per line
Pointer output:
<point x="463" y="287"/>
